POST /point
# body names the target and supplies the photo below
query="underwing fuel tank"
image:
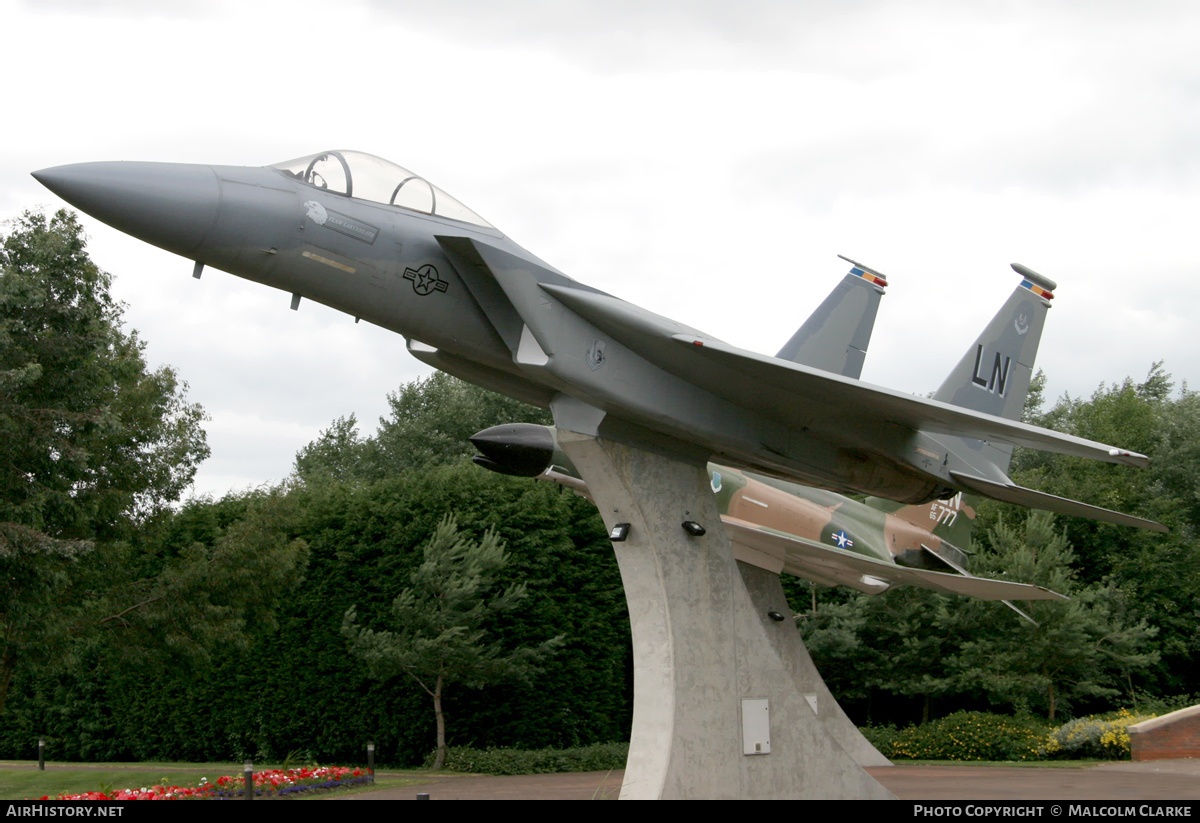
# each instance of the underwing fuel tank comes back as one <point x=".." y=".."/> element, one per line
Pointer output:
<point x="517" y="449"/>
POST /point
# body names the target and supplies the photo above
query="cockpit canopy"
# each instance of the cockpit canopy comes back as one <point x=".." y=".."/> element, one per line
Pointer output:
<point x="357" y="174"/>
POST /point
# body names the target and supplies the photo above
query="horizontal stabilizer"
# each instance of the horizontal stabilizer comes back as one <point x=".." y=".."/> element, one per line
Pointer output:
<point x="1029" y="498"/>
<point x="830" y="565"/>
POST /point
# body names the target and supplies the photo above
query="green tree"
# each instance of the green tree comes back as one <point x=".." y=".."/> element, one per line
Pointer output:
<point x="163" y="596"/>
<point x="1084" y="648"/>
<point x="430" y="423"/>
<point x="1156" y="570"/>
<point x="895" y="643"/>
<point x="90" y="439"/>
<point x="439" y="632"/>
<point x="918" y="644"/>
<point x="92" y="442"/>
<point x="338" y="454"/>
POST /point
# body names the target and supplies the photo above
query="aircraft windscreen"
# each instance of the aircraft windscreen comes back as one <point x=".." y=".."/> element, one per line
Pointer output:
<point x="366" y="176"/>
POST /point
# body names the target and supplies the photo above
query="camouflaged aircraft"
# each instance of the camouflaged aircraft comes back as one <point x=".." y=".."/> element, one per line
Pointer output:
<point x="812" y="533"/>
<point x="372" y="239"/>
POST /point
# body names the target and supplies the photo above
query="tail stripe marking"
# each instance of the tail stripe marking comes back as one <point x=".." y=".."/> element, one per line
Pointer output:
<point x="1038" y="290"/>
<point x="868" y="276"/>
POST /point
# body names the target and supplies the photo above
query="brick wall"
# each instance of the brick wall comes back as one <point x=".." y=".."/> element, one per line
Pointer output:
<point x="1171" y="736"/>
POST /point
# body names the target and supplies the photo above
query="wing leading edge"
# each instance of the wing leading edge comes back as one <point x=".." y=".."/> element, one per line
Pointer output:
<point x="1033" y="499"/>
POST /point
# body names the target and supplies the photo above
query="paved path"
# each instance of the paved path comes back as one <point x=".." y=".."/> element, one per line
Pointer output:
<point x="1158" y="780"/>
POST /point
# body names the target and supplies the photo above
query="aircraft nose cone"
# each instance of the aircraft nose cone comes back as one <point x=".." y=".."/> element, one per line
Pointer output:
<point x="172" y="205"/>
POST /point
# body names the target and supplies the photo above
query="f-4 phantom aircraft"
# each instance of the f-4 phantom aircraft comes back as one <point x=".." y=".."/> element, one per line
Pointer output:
<point x="372" y="239"/>
<point x="811" y="533"/>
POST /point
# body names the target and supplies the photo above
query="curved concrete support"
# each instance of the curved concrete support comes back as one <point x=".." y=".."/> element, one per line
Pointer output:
<point x="710" y="681"/>
<point x="767" y="594"/>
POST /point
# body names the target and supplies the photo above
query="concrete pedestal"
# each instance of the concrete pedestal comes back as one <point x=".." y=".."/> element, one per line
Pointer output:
<point x="719" y="710"/>
<point x="766" y="593"/>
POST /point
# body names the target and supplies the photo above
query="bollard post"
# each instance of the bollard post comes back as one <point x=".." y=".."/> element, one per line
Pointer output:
<point x="371" y="760"/>
<point x="41" y="755"/>
<point x="248" y="773"/>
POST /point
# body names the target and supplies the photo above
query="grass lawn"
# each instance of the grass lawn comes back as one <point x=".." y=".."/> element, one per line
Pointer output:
<point x="21" y="780"/>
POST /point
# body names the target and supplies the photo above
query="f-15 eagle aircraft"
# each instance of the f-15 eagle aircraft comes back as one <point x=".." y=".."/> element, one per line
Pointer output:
<point x="376" y="241"/>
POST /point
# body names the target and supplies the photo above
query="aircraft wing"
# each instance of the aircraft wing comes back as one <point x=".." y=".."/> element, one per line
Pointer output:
<point x="884" y="406"/>
<point x="829" y="565"/>
<point x="851" y="413"/>
<point x="805" y="397"/>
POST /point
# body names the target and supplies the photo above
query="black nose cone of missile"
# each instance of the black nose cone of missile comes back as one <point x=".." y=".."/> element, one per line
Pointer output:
<point x="518" y="449"/>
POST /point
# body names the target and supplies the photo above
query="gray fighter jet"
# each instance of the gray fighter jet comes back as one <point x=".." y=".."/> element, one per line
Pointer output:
<point x="376" y="241"/>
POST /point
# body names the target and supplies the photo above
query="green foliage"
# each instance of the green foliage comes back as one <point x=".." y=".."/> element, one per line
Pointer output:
<point x="430" y="424"/>
<point x="1156" y="571"/>
<point x="440" y="624"/>
<point x="893" y="643"/>
<point x="995" y="737"/>
<point x="155" y="628"/>
<point x="92" y="443"/>
<point x="88" y="436"/>
<point x="970" y="736"/>
<point x="1104" y="737"/>
<point x="1158" y="705"/>
<point x="883" y="737"/>
<point x="338" y="454"/>
<point x="1078" y="649"/>
<point x="432" y="420"/>
<point x="195" y="598"/>
<point x="440" y="621"/>
<point x="365" y="541"/>
<point x="595" y="758"/>
<point x="942" y="648"/>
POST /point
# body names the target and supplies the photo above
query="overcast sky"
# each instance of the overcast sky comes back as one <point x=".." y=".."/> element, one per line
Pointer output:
<point x="707" y="160"/>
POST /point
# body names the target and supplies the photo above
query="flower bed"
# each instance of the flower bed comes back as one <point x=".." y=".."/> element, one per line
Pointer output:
<point x="269" y="783"/>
